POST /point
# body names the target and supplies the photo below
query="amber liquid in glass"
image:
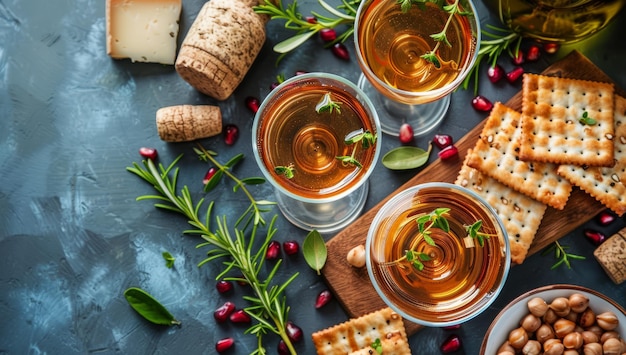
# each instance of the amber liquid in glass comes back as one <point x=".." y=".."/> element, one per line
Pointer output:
<point x="456" y="278"/>
<point x="392" y="43"/>
<point x="293" y="134"/>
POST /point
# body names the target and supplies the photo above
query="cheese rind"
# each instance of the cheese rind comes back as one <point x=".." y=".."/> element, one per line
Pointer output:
<point x="143" y="30"/>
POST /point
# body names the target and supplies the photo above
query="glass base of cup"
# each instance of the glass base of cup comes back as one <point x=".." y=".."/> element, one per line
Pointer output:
<point x="325" y="217"/>
<point x="423" y="118"/>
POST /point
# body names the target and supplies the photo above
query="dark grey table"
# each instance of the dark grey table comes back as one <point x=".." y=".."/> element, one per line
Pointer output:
<point x="73" y="238"/>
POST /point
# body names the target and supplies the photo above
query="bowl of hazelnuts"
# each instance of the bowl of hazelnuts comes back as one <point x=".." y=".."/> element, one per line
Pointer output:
<point x="558" y="319"/>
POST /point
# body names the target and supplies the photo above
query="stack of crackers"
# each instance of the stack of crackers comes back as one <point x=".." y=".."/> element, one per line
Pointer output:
<point x="569" y="133"/>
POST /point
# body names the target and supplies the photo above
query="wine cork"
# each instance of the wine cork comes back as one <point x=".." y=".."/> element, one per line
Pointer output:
<point x="185" y="123"/>
<point x="220" y="46"/>
<point x="612" y="256"/>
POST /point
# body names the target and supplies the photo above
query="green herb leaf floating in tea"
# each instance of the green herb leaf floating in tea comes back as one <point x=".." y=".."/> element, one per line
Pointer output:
<point x="148" y="307"/>
<point x="406" y="157"/>
<point x="314" y="250"/>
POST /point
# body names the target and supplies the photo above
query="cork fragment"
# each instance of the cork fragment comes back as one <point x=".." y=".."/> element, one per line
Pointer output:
<point x="612" y="256"/>
<point x="185" y="123"/>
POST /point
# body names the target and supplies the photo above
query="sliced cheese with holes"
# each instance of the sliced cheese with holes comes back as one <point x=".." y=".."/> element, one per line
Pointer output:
<point x="143" y="30"/>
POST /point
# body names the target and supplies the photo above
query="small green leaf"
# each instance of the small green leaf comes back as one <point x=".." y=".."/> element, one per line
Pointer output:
<point x="255" y="180"/>
<point x="406" y="157"/>
<point x="214" y="181"/>
<point x="377" y="345"/>
<point x="586" y="120"/>
<point x="148" y="307"/>
<point x="169" y="259"/>
<point x="326" y="104"/>
<point x="234" y="160"/>
<point x="293" y="42"/>
<point x="314" y="250"/>
<point x="287" y="171"/>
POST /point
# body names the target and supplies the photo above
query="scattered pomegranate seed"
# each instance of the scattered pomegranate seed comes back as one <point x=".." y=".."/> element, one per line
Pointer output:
<point x="452" y="327"/>
<point x="224" y="286"/>
<point x="209" y="174"/>
<point x="148" y="153"/>
<point x="605" y="218"/>
<point x="293" y="331"/>
<point x="519" y="59"/>
<point x="282" y="348"/>
<point x="291" y="247"/>
<point x="240" y="316"/>
<point x="253" y="103"/>
<point x="495" y="73"/>
<point x="311" y="19"/>
<point x="273" y="250"/>
<point x="451" y="344"/>
<point x="551" y="48"/>
<point x="242" y="281"/>
<point x="224" y="344"/>
<point x="323" y="298"/>
<point x="442" y="140"/>
<point x="406" y="133"/>
<point x="231" y="133"/>
<point x="340" y="51"/>
<point x="481" y="103"/>
<point x="223" y="312"/>
<point x="533" y="53"/>
<point x="448" y="152"/>
<point x="274" y="85"/>
<point x="595" y="237"/>
<point x="514" y="74"/>
<point x="328" y="34"/>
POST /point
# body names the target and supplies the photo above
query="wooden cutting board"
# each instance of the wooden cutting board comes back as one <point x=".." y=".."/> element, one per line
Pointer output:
<point x="352" y="286"/>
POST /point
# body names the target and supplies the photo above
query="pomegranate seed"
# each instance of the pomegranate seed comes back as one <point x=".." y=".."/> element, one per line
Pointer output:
<point x="406" y="133"/>
<point x="224" y="286"/>
<point x="240" y="316"/>
<point x="253" y="103"/>
<point x="282" y="348"/>
<point x="209" y="174"/>
<point x="495" y="73"/>
<point x="241" y="281"/>
<point x="551" y="48"/>
<point x="340" y="51"/>
<point x="311" y="19"/>
<point x="595" y="237"/>
<point x="222" y="313"/>
<point x="231" y="133"/>
<point x="533" y="53"/>
<point x="293" y="332"/>
<point x="448" y="152"/>
<point x="148" y="153"/>
<point x="273" y="250"/>
<point x="452" y="327"/>
<point x="328" y="34"/>
<point x="442" y="140"/>
<point x="605" y="218"/>
<point x="481" y="103"/>
<point x="451" y="344"/>
<point x="323" y="298"/>
<point x="291" y="247"/>
<point x="224" y="344"/>
<point x="519" y="59"/>
<point x="514" y="74"/>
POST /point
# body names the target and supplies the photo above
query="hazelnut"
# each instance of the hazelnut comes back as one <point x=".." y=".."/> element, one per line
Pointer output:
<point x="550" y="317"/>
<point x="531" y="323"/>
<point x="596" y="330"/>
<point x="544" y="333"/>
<point x="553" y="347"/>
<point x="587" y="318"/>
<point x="506" y="352"/>
<point x="506" y="347"/>
<point x="356" y="256"/>
<point x="607" y="320"/>
<point x="518" y="338"/>
<point x="570" y="352"/>
<point x="573" y="340"/>
<point x="608" y="335"/>
<point x="592" y="349"/>
<point x="612" y="346"/>
<point x="560" y="305"/>
<point x="532" y="347"/>
<point x="578" y="303"/>
<point x="562" y="327"/>
<point x="537" y="306"/>
<point x="590" y="337"/>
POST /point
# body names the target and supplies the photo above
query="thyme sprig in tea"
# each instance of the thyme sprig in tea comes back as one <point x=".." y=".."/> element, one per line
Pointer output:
<point x="367" y="139"/>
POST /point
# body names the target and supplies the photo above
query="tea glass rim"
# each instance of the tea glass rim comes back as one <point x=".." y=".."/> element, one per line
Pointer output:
<point x="411" y="191"/>
<point x="361" y="97"/>
<point x="435" y="93"/>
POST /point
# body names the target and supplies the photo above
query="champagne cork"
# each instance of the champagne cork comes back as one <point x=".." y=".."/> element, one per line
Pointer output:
<point x="185" y="123"/>
<point x="220" y="46"/>
<point x="612" y="256"/>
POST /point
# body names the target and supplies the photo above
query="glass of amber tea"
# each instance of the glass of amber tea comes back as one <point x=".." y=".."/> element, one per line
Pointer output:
<point x="406" y="70"/>
<point x="315" y="138"/>
<point x="432" y="274"/>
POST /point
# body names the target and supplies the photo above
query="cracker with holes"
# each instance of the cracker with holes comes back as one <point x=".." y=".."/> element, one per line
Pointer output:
<point x="358" y="334"/>
<point x="567" y="121"/>
<point x="520" y="214"/>
<point x="605" y="184"/>
<point x="496" y="155"/>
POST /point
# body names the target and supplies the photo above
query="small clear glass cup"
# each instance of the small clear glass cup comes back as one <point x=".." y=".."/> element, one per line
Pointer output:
<point x="311" y="145"/>
<point x="459" y="278"/>
<point x="389" y="45"/>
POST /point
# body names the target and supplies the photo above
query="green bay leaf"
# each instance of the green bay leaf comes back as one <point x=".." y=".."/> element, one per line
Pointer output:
<point x="406" y="157"/>
<point x="148" y="307"/>
<point x="314" y="250"/>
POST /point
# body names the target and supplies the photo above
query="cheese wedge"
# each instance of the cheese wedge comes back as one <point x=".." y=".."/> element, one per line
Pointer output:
<point x="143" y="30"/>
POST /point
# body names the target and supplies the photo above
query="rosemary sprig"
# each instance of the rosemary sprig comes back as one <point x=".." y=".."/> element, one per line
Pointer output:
<point x="561" y="254"/>
<point x="268" y="305"/>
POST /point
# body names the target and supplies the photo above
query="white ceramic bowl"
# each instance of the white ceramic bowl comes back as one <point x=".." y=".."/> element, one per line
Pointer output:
<point x="509" y="318"/>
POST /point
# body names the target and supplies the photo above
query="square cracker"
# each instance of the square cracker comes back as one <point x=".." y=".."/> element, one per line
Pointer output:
<point x="520" y="214"/>
<point x="496" y="154"/>
<point x="605" y="184"/>
<point x="360" y="333"/>
<point x="551" y="128"/>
